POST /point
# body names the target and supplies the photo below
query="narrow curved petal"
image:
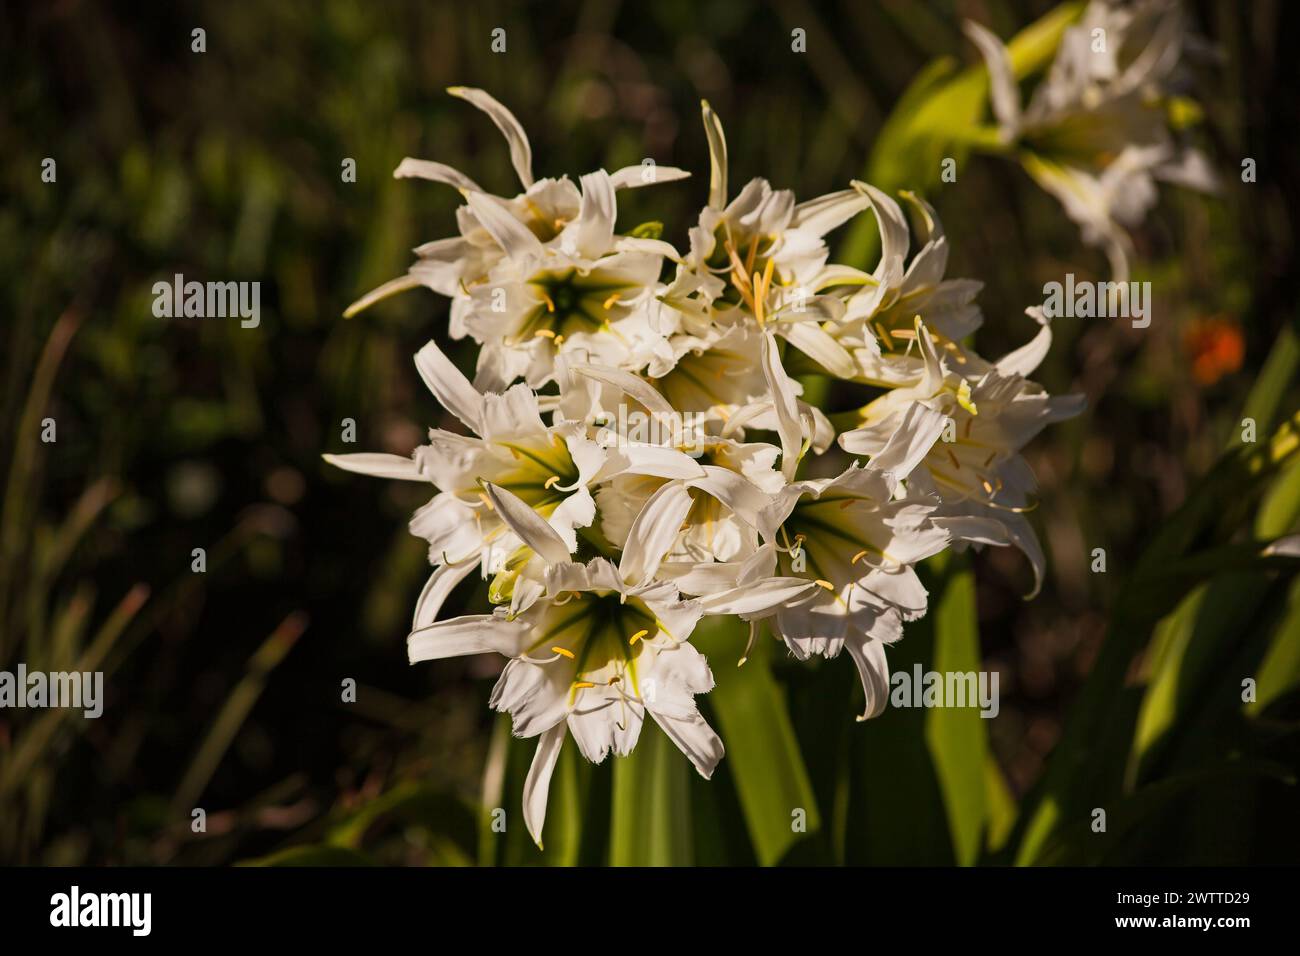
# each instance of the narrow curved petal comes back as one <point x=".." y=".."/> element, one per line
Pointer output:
<point x="379" y="465"/>
<point x="755" y="600"/>
<point x="528" y="524"/>
<point x="820" y="346"/>
<point x="653" y="533"/>
<point x="785" y="405"/>
<point x="695" y="738"/>
<point x="410" y="168"/>
<point x="511" y="234"/>
<point x="441" y="583"/>
<point x="629" y="384"/>
<point x="645" y="174"/>
<point x="521" y="153"/>
<point x="819" y="216"/>
<point x="873" y="668"/>
<point x="389" y="288"/>
<point x="461" y="636"/>
<point x="1002" y="81"/>
<point x="537" y="784"/>
<point x="717" y="157"/>
<point x="452" y="389"/>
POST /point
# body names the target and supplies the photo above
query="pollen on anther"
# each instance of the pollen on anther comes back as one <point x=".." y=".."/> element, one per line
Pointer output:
<point x="637" y="636"/>
<point x="564" y="651"/>
<point x="825" y="584"/>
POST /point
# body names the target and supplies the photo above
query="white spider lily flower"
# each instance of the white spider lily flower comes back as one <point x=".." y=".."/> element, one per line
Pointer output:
<point x="551" y="467"/>
<point x="607" y="646"/>
<point x="545" y="208"/>
<point x="1096" y="132"/>
<point x="772" y="254"/>
<point x="976" y="468"/>
<point x="587" y="292"/>
<point x="836" y="569"/>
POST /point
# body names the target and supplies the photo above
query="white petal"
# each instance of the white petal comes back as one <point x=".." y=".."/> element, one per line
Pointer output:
<point x="650" y="460"/>
<point x="521" y="154"/>
<point x="1002" y="81"/>
<point x="528" y="524"/>
<point x="819" y="216"/>
<point x="435" y="172"/>
<point x="873" y="668"/>
<point x="452" y="389"/>
<point x="754" y="600"/>
<point x="910" y="443"/>
<point x="391" y="287"/>
<point x="472" y="634"/>
<point x="653" y="533"/>
<point x="1025" y="359"/>
<point x="379" y="465"/>
<point x="717" y="157"/>
<point x="695" y="738"/>
<point x="511" y="235"/>
<point x="537" y="784"/>
<point x="646" y="174"/>
<point x="818" y="344"/>
<point x="629" y="384"/>
<point x="785" y="405"/>
<point x="593" y="230"/>
<point x="440" y="584"/>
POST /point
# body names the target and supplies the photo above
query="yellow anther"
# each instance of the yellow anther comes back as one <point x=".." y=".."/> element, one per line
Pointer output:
<point x="637" y="636"/>
<point x="553" y="480"/>
<point x="860" y="554"/>
<point x="486" y="500"/>
<point x="550" y="306"/>
<point x="964" y="399"/>
<point x="581" y="684"/>
<point x="825" y="584"/>
<point x="544" y="333"/>
<point x="988" y="489"/>
<point x="610" y="301"/>
<point x="563" y="651"/>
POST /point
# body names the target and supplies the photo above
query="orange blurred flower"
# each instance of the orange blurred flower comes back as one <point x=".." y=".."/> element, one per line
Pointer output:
<point x="1216" y="347"/>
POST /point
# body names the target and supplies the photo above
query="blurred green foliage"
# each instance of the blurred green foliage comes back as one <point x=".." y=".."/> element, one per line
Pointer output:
<point x="1120" y="690"/>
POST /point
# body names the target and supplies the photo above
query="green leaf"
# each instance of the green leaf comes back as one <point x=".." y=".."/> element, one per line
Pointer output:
<point x="650" y="821"/>
<point x="763" y="755"/>
<point x="957" y="736"/>
<point x="1279" y="673"/>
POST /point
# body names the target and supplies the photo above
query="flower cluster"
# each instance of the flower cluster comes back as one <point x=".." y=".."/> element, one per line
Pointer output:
<point x="604" y="546"/>
<point x="1098" y="131"/>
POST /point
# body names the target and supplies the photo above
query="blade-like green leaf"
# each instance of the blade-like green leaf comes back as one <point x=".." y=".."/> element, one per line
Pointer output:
<point x="650" y="817"/>
<point x="763" y="755"/>
<point x="957" y="736"/>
